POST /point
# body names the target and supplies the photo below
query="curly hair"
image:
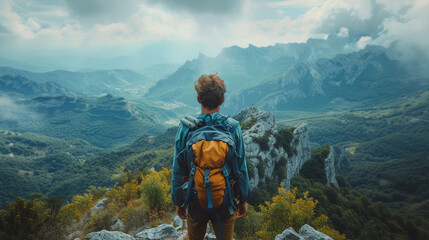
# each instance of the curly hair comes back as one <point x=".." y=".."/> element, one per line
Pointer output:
<point x="210" y="89"/>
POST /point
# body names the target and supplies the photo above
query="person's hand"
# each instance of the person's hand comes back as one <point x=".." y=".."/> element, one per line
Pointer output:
<point x="181" y="212"/>
<point x="242" y="210"/>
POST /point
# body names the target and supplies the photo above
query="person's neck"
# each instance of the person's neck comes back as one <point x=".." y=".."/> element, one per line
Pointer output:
<point x="208" y="111"/>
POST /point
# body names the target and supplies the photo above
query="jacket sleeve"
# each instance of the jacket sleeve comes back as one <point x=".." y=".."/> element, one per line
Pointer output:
<point x="242" y="165"/>
<point x="180" y="168"/>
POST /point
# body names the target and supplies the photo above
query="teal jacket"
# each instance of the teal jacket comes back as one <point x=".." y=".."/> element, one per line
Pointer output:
<point x="180" y="166"/>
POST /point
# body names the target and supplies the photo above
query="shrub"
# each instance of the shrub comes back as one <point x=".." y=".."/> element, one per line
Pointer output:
<point x="135" y="215"/>
<point x="155" y="189"/>
<point x="263" y="141"/>
<point x="286" y="210"/>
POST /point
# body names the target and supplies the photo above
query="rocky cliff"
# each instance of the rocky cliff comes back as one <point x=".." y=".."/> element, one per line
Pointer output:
<point x="272" y="153"/>
<point x="330" y="168"/>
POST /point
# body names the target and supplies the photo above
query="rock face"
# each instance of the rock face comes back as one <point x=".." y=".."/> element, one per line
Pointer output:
<point x="330" y="169"/>
<point x="264" y="153"/>
<point x="158" y="233"/>
<point x="305" y="233"/>
<point x="303" y="153"/>
<point x="108" y="235"/>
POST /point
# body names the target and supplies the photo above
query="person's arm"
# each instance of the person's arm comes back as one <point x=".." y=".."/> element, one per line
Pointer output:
<point x="243" y="178"/>
<point x="180" y="168"/>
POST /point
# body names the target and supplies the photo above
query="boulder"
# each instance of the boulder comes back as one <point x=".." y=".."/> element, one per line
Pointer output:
<point x="108" y="235"/>
<point x="118" y="226"/>
<point x="158" y="233"/>
<point x="289" y="234"/>
<point x="178" y="222"/>
<point x="309" y="233"/>
<point x="210" y="236"/>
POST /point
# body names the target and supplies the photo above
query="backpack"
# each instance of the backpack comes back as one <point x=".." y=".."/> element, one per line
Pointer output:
<point x="213" y="164"/>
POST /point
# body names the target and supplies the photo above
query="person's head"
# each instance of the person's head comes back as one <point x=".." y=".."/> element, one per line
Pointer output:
<point x="210" y="90"/>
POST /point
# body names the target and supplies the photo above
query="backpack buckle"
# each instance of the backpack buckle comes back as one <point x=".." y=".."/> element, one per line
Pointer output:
<point x="206" y="177"/>
<point x="192" y="173"/>
<point x="225" y="172"/>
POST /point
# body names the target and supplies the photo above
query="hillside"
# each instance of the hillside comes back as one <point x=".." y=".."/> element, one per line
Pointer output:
<point x="29" y="162"/>
<point x="145" y="153"/>
<point x="104" y="122"/>
<point x="19" y="86"/>
<point x="382" y="150"/>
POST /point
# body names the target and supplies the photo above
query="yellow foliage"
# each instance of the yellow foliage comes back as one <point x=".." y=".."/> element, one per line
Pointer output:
<point x="286" y="210"/>
<point x="82" y="203"/>
<point x="121" y="195"/>
<point x="155" y="188"/>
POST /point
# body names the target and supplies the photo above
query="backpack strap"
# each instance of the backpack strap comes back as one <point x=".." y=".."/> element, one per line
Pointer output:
<point x="208" y="190"/>
<point x="190" y="185"/>
<point x="228" y="185"/>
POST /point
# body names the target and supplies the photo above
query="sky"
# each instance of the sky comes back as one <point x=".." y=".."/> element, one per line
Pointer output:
<point x="170" y="31"/>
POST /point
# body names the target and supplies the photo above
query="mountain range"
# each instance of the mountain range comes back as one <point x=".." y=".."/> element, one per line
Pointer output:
<point x="125" y="83"/>
<point x="368" y="105"/>
<point x="240" y="68"/>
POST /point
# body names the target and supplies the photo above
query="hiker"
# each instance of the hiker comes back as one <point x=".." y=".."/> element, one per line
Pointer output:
<point x="210" y="180"/>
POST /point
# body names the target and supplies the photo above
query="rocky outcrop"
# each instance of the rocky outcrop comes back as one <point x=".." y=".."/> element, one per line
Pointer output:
<point x="267" y="157"/>
<point x="309" y="233"/>
<point x="158" y="233"/>
<point x="305" y="233"/>
<point x="330" y="168"/>
<point x="288" y="234"/>
<point x="108" y="235"/>
<point x="302" y="154"/>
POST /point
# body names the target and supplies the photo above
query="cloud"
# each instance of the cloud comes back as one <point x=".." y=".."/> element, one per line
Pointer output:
<point x="14" y="113"/>
<point x="343" y="32"/>
<point x="363" y="41"/>
<point x="200" y="7"/>
<point x="86" y="26"/>
<point x="297" y="3"/>
<point x="11" y="22"/>
<point x="412" y="27"/>
<point x="91" y="12"/>
<point x="361" y="18"/>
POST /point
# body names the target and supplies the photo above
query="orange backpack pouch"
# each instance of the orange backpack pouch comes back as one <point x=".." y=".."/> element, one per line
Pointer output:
<point x="211" y="155"/>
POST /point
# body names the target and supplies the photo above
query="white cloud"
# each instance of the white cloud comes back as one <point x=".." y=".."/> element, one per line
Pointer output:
<point x="412" y="28"/>
<point x="363" y="41"/>
<point x="13" y="112"/>
<point x="344" y="32"/>
<point x="13" y="23"/>
<point x="88" y="24"/>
